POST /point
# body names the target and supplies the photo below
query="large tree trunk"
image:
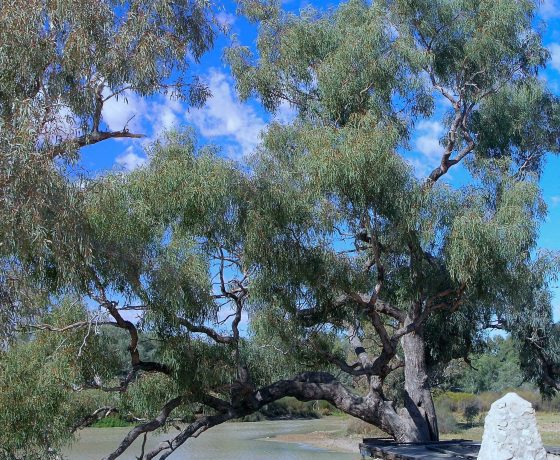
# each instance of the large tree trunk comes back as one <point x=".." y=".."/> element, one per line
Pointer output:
<point x="419" y="404"/>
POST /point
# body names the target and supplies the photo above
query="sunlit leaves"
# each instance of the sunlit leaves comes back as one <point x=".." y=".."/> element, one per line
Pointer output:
<point x="39" y="404"/>
<point x="520" y="121"/>
<point x="59" y="62"/>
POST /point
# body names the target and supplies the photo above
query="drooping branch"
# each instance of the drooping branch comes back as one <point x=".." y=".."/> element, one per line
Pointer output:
<point x="136" y="361"/>
<point x="213" y="334"/>
<point x="356" y="369"/>
<point x="237" y="296"/>
<point x="309" y="386"/>
<point x="192" y="431"/>
<point x="316" y="315"/>
<point x="69" y="327"/>
<point x="550" y="371"/>
<point x="96" y="415"/>
<point x="149" y="426"/>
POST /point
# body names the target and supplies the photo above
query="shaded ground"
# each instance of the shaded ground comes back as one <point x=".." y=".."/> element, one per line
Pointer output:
<point x="336" y="441"/>
<point x="347" y="433"/>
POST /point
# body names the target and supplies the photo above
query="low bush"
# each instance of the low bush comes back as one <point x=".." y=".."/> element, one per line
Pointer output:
<point x="533" y="396"/>
<point x="447" y="423"/>
<point x="457" y="401"/>
<point x="254" y="417"/>
<point x="290" y="408"/>
<point x="111" y="422"/>
<point x="325" y="408"/>
<point x="287" y="408"/>
<point x="472" y="411"/>
<point x="358" y="427"/>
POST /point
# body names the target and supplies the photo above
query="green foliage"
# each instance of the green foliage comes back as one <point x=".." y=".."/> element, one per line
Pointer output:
<point x="61" y="46"/>
<point x="147" y="395"/>
<point x="111" y="422"/>
<point x="496" y="369"/>
<point x="456" y="401"/>
<point x="333" y="171"/>
<point x="521" y="120"/>
<point x="38" y="407"/>
<point x="59" y="62"/>
<point x="471" y="412"/>
<point x="289" y="408"/>
<point x="328" y="209"/>
<point x="447" y="423"/>
<point x="33" y="401"/>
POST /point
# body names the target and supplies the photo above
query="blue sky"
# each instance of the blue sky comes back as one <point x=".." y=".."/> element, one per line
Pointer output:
<point x="236" y="126"/>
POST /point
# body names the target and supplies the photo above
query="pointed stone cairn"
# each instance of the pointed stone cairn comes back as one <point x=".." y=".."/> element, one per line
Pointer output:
<point x="510" y="431"/>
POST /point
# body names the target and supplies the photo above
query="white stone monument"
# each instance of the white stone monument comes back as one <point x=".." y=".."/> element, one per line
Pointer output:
<point x="510" y="431"/>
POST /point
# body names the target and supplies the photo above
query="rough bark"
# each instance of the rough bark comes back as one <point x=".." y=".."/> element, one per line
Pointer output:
<point x="147" y="427"/>
<point x="418" y="400"/>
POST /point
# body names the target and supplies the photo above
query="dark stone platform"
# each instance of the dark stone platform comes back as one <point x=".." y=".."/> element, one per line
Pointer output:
<point x="458" y="449"/>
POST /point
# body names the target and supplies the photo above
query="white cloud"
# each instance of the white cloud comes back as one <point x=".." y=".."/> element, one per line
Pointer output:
<point x="555" y="200"/>
<point x="427" y="150"/>
<point x="427" y="143"/>
<point x="549" y="9"/>
<point x="554" y="49"/>
<point x="285" y="113"/>
<point x="164" y="114"/>
<point x="225" y="19"/>
<point x="125" y="111"/>
<point x="225" y="116"/>
<point x="144" y="116"/>
<point x="130" y="160"/>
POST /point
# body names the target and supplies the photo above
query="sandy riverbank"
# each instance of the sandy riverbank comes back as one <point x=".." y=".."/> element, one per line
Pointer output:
<point x="338" y="440"/>
<point x="329" y="440"/>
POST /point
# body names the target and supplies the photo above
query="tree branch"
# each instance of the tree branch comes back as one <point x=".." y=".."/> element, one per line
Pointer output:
<point x="93" y="417"/>
<point x="151" y="425"/>
<point x="90" y="139"/>
<point x="309" y="386"/>
<point x="213" y="334"/>
<point x="137" y="363"/>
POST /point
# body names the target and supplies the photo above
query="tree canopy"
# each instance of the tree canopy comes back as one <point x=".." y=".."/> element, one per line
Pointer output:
<point x="324" y="268"/>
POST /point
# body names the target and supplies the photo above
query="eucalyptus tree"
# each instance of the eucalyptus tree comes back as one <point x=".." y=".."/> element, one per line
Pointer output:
<point x="353" y="238"/>
<point x="329" y="233"/>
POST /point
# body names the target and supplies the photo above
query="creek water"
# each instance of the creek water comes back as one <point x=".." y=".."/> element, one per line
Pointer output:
<point x="230" y="441"/>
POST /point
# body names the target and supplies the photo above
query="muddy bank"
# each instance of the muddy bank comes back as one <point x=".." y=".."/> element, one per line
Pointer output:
<point x="328" y="440"/>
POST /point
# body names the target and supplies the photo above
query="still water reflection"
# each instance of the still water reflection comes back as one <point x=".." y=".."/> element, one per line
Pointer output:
<point x="230" y="441"/>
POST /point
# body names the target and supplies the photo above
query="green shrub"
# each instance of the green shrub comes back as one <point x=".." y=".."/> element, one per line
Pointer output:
<point x="288" y="408"/>
<point x="447" y="422"/>
<point x="324" y="408"/>
<point x="533" y="396"/>
<point x="552" y="404"/>
<point x="487" y="398"/>
<point x="471" y="412"/>
<point x="455" y="401"/>
<point x="460" y="401"/>
<point x="111" y="422"/>
<point x="255" y="417"/>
